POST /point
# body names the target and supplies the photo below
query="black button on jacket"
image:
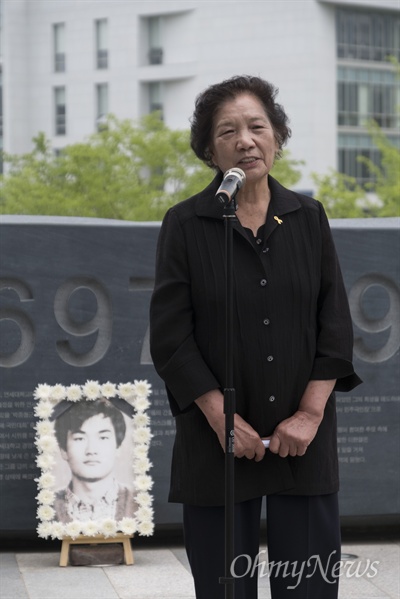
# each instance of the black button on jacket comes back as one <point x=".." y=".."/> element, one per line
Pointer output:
<point x="299" y="286"/>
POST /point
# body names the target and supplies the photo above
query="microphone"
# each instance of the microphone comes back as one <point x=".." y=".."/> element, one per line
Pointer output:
<point x="233" y="180"/>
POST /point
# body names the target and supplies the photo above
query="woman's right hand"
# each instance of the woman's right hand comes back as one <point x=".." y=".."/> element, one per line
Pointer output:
<point x="247" y="441"/>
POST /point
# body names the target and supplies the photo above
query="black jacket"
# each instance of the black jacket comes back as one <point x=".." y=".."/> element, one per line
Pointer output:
<point x="291" y="324"/>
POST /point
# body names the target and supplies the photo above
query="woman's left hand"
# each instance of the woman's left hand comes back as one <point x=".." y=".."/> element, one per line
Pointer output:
<point x="293" y="435"/>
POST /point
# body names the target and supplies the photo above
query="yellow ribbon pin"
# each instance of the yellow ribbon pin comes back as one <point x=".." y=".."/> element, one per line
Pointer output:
<point x="278" y="220"/>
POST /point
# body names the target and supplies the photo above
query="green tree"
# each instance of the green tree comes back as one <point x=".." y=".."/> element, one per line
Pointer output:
<point x="125" y="171"/>
<point x="344" y="198"/>
<point x="386" y="183"/>
<point x="286" y="170"/>
<point x="340" y="194"/>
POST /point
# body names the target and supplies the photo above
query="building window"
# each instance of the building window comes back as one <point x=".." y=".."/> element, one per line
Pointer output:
<point x="59" y="47"/>
<point x="60" y="111"/>
<point x="154" y="36"/>
<point x="369" y="36"/>
<point x="365" y="94"/>
<point x="101" y="43"/>
<point x="354" y="145"/>
<point x="1" y="122"/>
<point x="366" y="90"/>
<point x="351" y="148"/>
<point x="1" y="105"/>
<point x="156" y="97"/>
<point x="101" y="105"/>
<point x="1" y="28"/>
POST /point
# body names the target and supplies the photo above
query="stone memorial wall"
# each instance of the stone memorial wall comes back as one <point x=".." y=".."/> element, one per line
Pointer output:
<point x="74" y="300"/>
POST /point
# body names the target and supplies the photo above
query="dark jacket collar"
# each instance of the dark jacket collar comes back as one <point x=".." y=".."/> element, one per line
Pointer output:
<point x="283" y="200"/>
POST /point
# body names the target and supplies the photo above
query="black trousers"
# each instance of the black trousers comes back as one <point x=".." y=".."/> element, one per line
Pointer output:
<point x="303" y="538"/>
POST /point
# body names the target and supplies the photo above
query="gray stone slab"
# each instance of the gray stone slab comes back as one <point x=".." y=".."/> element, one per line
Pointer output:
<point x="45" y="579"/>
<point x="360" y="589"/>
<point x="164" y="574"/>
<point x="35" y="560"/>
<point x="374" y="574"/>
<point x="11" y="583"/>
<point x="181" y="556"/>
<point x="45" y="259"/>
<point x="376" y="571"/>
<point x="156" y="574"/>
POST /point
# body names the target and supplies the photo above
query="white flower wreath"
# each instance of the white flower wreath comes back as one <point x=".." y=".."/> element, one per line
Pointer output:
<point x="136" y="395"/>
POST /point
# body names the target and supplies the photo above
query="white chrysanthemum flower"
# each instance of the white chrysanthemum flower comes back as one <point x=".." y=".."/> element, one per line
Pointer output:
<point x="57" y="530"/>
<point x="141" y="419"/>
<point x="42" y="392"/>
<point x="141" y="404"/>
<point x="141" y="451"/>
<point x="45" y="512"/>
<point x="144" y="499"/>
<point x="46" y="443"/>
<point x="108" y="528"/>
<point x="145" y="513"/>
<point x="74" y="393"/>
<point x="91" y="390"/>
<point x="73" y="529"/>
<point x="108" y="390"/>
<point x="126" y="391"/>
<point x="143" y="482"/>
<point x="57" y="393"/>
<point x="43" y="410"/>
<point x="46" y="497"/>
<point x="142" y="435"/>
<point x="146" y="529"/>
<point x="46" y="480"/>
<point x="128" y="526"/>
<point x="45" y="461"/>
<point x="90" y="528"/>
<point x="44" y="427"/>
<point x="142" y="388"/>
<point x="44" y="529"/>
<point x="142" y="465"/>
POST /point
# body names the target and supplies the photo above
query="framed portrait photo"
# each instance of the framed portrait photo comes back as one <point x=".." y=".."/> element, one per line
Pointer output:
<point x="92" y="444"/>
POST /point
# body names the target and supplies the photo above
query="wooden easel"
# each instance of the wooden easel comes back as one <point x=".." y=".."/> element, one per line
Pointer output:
<point x="97" y="539"/>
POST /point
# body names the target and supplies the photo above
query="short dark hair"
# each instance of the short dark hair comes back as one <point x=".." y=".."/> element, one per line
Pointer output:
<point x="73" y="418"/>
<point x="209" y="101"/>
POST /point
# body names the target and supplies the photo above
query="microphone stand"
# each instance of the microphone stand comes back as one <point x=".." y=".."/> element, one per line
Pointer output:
<point x="229" y="406"/>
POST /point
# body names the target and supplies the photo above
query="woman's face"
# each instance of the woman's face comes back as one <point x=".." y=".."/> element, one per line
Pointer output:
<point x="243" y="137"/>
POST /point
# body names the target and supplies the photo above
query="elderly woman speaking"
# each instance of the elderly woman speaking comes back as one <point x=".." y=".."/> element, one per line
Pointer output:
<point x="292" y="348"/>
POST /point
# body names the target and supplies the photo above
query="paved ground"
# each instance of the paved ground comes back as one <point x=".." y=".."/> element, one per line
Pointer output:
<point x="371" y="571"/>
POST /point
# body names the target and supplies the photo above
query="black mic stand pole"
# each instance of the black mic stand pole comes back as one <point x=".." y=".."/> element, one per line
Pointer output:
<point x="229" y="407"/>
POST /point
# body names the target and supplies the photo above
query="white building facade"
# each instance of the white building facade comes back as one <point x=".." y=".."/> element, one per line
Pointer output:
<point x="67" y="63"/>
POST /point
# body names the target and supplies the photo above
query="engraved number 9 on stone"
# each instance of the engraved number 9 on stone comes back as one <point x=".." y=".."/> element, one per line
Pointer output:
<point x="369" y="317"/>
<point x="75" y="352"/>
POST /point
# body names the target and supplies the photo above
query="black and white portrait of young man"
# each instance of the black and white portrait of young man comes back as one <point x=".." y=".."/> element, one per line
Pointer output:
<point x="90" y="435"/>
